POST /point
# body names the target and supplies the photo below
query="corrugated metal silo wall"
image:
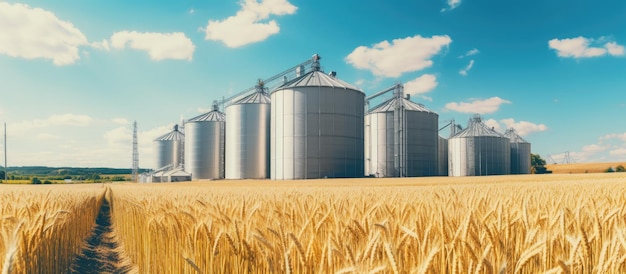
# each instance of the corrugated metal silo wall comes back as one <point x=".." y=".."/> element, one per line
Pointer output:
<point x="442" y="148"/>
<point x="421" y="143"/>
<point x="459" y="164"/>
<point x="317" y="132"/>
<point x="248" y="134"/>
<point x="168" y="152"/>
<point x="479" y="156"/>
<point x="379" y="145"/>
<point x="204" y="149"/>
<point x="520" y="158"/>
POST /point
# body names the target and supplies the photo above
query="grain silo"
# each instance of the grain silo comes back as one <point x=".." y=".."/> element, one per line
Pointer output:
<point x="520" y="153"/>
<point x="204" y="145"/>
<point x="248" y="135"/>
<point x="169" y="149"/>
<point x="442" y="154"/>
<point x="401" y="139"/>
<point x="316" y="128"/>
<point x="478" y="150"/>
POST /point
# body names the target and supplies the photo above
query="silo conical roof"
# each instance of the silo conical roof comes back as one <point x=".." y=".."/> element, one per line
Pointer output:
<point x="390" y="105"/>
<point x="476" y="128"/>
<point x="254" y="98"/>
<point x="317" y="78"/>
<point x="173" y="135"/>
<point x="214" y="115"/>
<point x="514" y="137"/>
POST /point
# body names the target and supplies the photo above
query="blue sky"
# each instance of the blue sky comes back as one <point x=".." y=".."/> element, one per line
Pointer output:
<point x="74" y="74"/>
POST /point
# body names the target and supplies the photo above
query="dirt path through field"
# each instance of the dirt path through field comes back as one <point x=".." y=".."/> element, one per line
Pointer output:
<point x="101" y="252"/>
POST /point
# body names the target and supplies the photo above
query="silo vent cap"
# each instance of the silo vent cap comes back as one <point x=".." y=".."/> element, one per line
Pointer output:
<point x="316" y="62"/>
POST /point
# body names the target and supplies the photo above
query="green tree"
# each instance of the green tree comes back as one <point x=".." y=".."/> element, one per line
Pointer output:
<point x="35" y="181"/>
<point x="1" y="175"/>
<point x="536" y="160"/>
<point x="610" y="169"/>
<point x="620" y="168"/>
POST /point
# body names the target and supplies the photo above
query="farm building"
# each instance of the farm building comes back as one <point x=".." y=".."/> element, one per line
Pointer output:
<point x="314" y="125"/>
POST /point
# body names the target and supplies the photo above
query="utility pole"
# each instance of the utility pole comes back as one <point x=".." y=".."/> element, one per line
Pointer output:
<point x="135" y="154"/>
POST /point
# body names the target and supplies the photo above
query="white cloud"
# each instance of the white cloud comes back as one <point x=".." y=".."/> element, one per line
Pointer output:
<point x="400" y="56"/>
<point x="66" y="142"/>
<point x="191" y="11"/>
<point x="160" y="46"/>
<point x="120" y="121"/>
<point x="471" y="52"/>
<point x="69" y="119"/>
<point x="486" y="106"/>
<point x="619" y="136"/>
<point x="581" y="47"/>
<point x="421" y="85"/>
<point x="452" y="4"/>
<point x="614" y="49"/>
<point x="57" y="120"/>
<point x="248" y="25"/>
<point x="119" y="136"/>
<point x="47" y="137"/>
<point x="204" y="109"/>
<point x="32" y="33"/>
<point x="369" y="84"/>
<point x="588" y="153"/>
<point x="593" y="148"/>
<point x="523" y="128"/>
<point x="467" y="68"/>
<point x="494" y="124"/>
<point x="618" y="152"/>
<point x="609" y="148"/>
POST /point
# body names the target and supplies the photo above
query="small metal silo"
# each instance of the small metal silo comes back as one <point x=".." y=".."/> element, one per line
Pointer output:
<point x="169" y="149"/>
<point x="478" y="150"/>
<point x="442" y="153"/>
<point x="401" y="139"/>
<point x="204" y="145"/>
<point x="520" y="153"/>
<point x="316" y="128"/>
<point x="248" y="135"/>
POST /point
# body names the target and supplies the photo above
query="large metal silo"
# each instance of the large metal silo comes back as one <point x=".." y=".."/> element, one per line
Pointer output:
<point x="248" y="135"/>
<point x="316" y="128"/>
<point x="442" y="154"/>
<point x="169" y="149"/>
<point x="401" y="139"/>
<point x="478" y="150"/>
<point x="204" y="145"/>
<point x="520" y="153"/>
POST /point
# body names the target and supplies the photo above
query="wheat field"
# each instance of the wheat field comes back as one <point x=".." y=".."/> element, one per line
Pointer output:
<point x="498" y="224"/>
<point x="599" y="167"/>
<point x="43" y="227"/>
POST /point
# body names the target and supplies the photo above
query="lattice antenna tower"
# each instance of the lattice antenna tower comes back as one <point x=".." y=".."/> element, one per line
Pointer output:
<point x="135" y="153"/>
